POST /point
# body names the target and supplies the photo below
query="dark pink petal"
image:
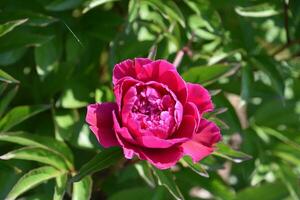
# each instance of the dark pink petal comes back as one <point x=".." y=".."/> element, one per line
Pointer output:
<point x="156" y="142"/>
<point x="208" y="133"/>
<point x="195" y="150"/>
<point x="99" y="117"/>
<point x="200" y="97"/>
<point x="191" y="109"/>
<point x="128" y="68"/>
<point x="123" y="69"/>
<point x="121" y="88"/>
<point x="122" y="132"/>
<point x="128" y="102"/>
<point x="187" y="128"/>
<point x="165" y="73"/>
<point x="202" y="144"/>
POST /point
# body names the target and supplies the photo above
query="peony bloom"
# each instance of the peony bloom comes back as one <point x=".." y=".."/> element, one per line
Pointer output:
<point x="157" y="116"/>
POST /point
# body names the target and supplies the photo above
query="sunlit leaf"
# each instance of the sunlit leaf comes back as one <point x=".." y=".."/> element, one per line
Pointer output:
<point x="60" y="187"/>
<point x="9" y="26"/>
<point x="32" y="179"/>
<point x="196" y="167"/>
<point x="82" y="189"/>
<point x="227" y="152"/>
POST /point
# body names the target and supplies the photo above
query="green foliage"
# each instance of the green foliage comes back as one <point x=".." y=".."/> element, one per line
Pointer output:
<point x="57" y="56"/>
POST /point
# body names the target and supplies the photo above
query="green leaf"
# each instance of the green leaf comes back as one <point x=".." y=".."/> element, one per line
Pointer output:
<point x="166" y="179"/>
<point x="61" y="5"/>
<point x="32" y="179"/>
<point x="206" y="74"/>
<point x="82" y="189"/>
<point x="7" y="99"/>
<point x="272" y="69"/>
<point x="247" y="80"/>
<point x="267" y="191"/>
<point x="145" y="173"/>
<point x="47" y="56"/>
<point x="196" y="167"/>
<point x="101" y="161"/>
<point x="136" y="193"/>
<point x="227" y="152"/>
<point x="10" y="57"/>
<point x="27" y="139"/>
<point x="261" y="10"/>
<point x="168" y="9"/>
<point x="5" y="77"/>
<point x="89" y="5"/>
<point x="290" y="181"/>
<point x="37" y="154"/>
<point x="60" y="187"/>
<point x="9" y="26"/>
<point x="19" y="114"/>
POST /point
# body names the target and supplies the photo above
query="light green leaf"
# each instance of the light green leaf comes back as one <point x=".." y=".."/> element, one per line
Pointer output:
<point x="9" y="26"/>
<point x="89" y="5"/>
<point x="261" y="10"/>
<point x="290" y="181"/>
<point x="19" y="114"/>
<point x="5" y="77"/>
<point x="27" y="139"/>
<point x="60" y="187"/>
<point x="32" y="179"/>
<point x="37" y="154"/>
<point x="82" y="189"/>
<point x="101" y="161"/>
<point x="196" y="167"/>
<point x="206" y="74"/>
<point x="227" y="152"/>
<point x="166" y="179"/>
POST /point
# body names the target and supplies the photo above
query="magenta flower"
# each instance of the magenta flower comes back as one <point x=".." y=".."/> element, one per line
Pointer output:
<point x="157" y="116"/>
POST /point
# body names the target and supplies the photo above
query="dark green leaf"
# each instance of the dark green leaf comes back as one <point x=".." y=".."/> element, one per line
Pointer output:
<point x="165" y="178"/>
<point x="19" y="114"/>
<point x="196" y="167"/>
<point x="101" y="161"/>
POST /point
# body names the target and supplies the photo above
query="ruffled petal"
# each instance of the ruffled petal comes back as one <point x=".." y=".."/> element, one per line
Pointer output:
<point x="208" y="133"/>
<point x="187" y="128"/>
<point x="99" y="117"/>
<point x="200" y="97"/>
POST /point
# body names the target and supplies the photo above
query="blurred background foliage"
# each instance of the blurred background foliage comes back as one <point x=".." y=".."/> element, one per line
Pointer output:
<point x="56" y="56"/>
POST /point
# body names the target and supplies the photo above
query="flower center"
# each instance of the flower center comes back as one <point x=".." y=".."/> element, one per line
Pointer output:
<point x="154" y="112"/>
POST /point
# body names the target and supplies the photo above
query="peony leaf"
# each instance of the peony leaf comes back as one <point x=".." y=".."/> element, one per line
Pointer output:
<point x="9" y="26"/>
<point x="32" y="179"/>
<point x="166" y="179"/>
<point x="227" y="152"/>
<point x="207" y="74"/>
<point x="101" y="161"/>
<point x="196" y="167"/>
<point x="19" y="114"/>
<point x="49" y="143"/>
<point x="5" y="77"/>
<point x="5" y="101"/>
<point x="37" y="154"/>
<point x="60" y="187"/>
<point x="82" y="189"/>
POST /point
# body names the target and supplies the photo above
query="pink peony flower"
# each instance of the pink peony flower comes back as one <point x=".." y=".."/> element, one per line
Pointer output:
<point x="157" y="116"/>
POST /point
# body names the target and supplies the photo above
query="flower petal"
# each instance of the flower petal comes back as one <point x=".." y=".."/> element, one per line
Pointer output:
<point x="208" y="133"/>
<point x="195" y="150"/>
<point x="200" y="97"/>
<point x="99" y="117"/>
<point x="187" y="128"/>
<point x="156" y="142"/>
